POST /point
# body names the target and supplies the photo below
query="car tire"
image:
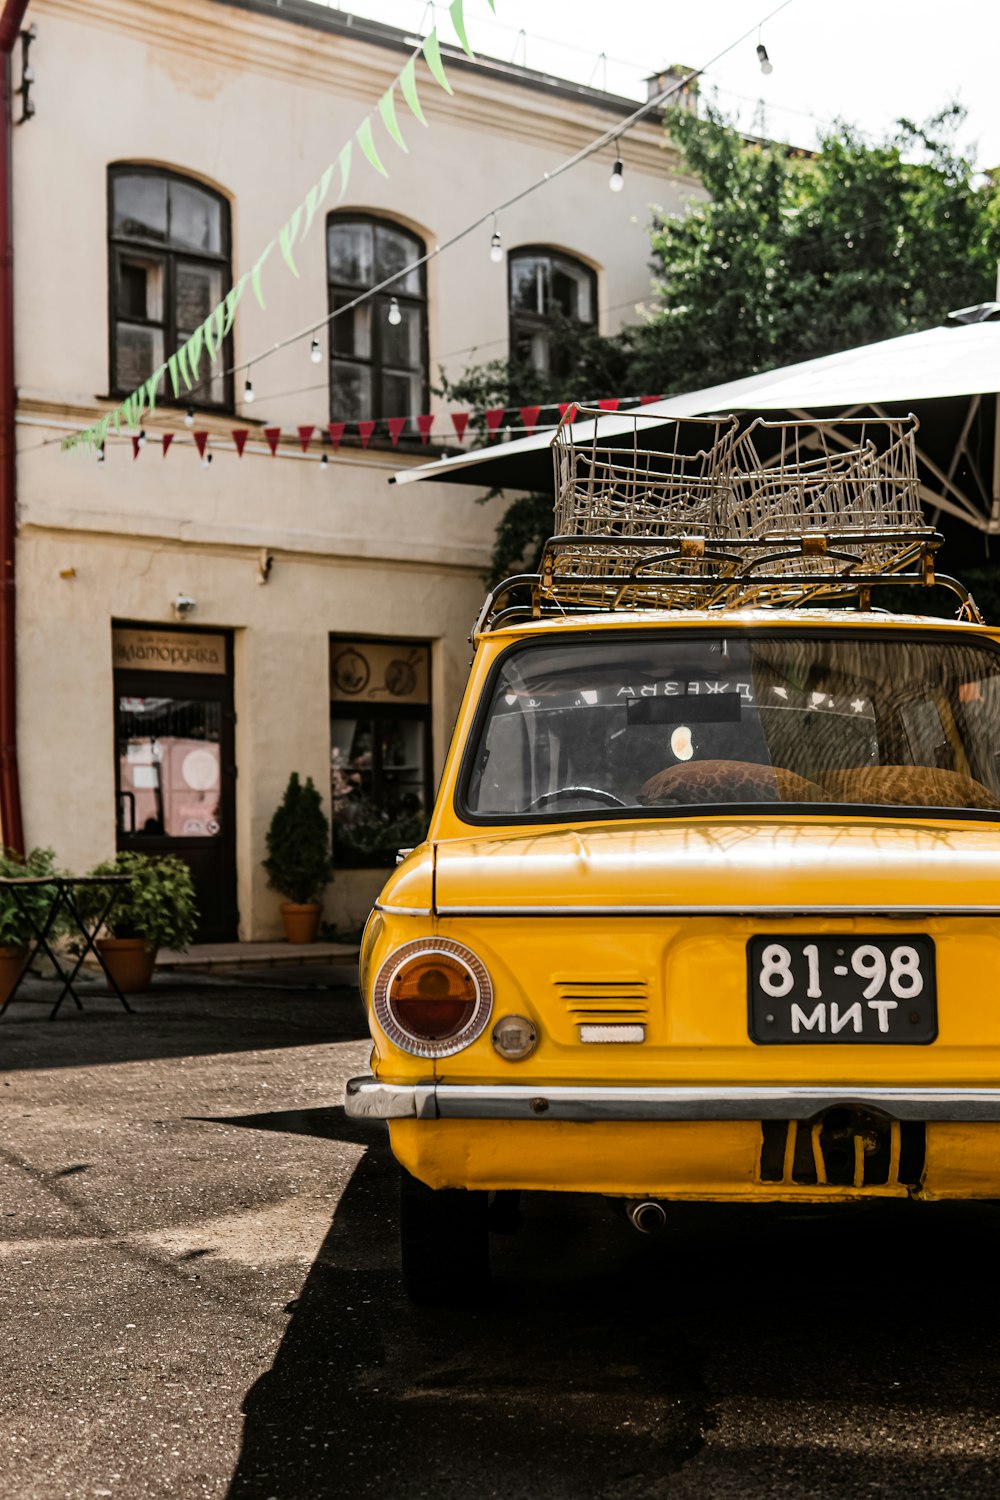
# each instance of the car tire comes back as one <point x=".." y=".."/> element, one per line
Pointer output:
<point x="444" y="1240"/>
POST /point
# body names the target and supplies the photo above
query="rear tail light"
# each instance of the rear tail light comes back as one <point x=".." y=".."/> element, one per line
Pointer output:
<point x="432" y="997"/>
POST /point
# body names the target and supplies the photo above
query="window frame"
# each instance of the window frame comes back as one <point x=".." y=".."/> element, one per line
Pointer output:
<point x="168" y="255"/>
<point x="535" y="321"/>
<point x="374" y="364"/>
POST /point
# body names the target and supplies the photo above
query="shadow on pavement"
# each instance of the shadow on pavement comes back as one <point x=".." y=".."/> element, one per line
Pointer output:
<point x="196" y="1015"/>
<point x="746" y="1352"/>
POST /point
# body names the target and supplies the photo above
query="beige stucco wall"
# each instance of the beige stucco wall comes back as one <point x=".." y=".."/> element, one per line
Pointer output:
<point x="257" y="106"/>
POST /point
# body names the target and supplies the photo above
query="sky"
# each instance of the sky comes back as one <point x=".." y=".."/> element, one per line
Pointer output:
<point x="865" y="61"/>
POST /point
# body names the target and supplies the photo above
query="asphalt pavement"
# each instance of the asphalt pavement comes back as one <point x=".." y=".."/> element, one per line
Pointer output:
<point x="200" y="1298"/>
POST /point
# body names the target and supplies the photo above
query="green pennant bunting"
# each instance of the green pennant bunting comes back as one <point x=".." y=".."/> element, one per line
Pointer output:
<point x="315" y="197"/>
<point x="457" y="12"/>
<point x="387" y="109"/>
<point x="432" y="56"/>
<point x="208" y="333"/>
<point x="102" y="428"/>
<point x="172" y="372"/>
<point x="363" y="136"/>
<point x="287" y="235"/>
<point x="220" y="325"/>
<point x="193" y="349"/>
<point x="153" y="386"/>
<point x="344" y="163"/>
<point x="232" y="302"/>
<point x="408" y="83"/>
<point x="255" y="274"/>
<point x="183" y="366"/>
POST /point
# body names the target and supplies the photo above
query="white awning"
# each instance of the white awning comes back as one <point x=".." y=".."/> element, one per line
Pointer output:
<point x="900" y="373"/>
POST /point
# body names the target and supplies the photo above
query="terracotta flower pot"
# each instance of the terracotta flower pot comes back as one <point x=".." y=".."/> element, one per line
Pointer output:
<point x="12" y="962"/>
<point x="301" y="921"/>
<point x="129" y="962"/>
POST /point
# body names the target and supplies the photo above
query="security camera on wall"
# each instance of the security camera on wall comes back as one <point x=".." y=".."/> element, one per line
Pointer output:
<point x="183" y="606"/>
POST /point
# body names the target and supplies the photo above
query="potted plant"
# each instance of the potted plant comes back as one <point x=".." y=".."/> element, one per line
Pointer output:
<point x="156" y="909"/>
<point x="16" y="932"/>
<point x="298" y="858"/>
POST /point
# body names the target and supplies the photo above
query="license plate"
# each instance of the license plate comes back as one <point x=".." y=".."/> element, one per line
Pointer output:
<point x="869" y="990"/>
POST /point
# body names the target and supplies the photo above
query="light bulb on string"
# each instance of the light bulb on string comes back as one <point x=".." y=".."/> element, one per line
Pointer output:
<point x="617" y="179"/>
<point x="189" y="417"/>
<point x="395" y="315"/>
<point x="496" y="245"/>
<point x="766" y="65"/>
<point x="206" y="462"/>
<point x="324" y="463"/>
<point x="100" y="454"/>
<point x="142" y="437"/>
<point x="248" y="390"/>
<point x="315" y="352"/>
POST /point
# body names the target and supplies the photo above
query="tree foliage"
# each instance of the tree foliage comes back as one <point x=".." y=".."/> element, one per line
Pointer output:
<point x="298" y="861"/>
<point x="785" y="256"/>
<point x="794" y="256"/>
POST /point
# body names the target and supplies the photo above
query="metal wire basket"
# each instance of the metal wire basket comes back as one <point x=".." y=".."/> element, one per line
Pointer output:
<point x="628" y="490"/>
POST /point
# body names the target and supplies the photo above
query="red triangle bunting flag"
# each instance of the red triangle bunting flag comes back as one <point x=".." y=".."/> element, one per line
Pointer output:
<point x="461" y="421"/>
<point x="135" y="446"/>
<point x="494" y="416"/>
<point x="529" y="416"/>
<point x="570" y="407"/>
<point x="240" y="435"/>
<point x="424" y="425"/>
<point x="395" y="426"/>
<point x="305" y="436"/>
<point x="273" y="435"/>
<point x="610" y="404"/>
<point x="336" y="431"/>
<point x="201" y="440"/>
<point x="366" y="429"/>
<point x="645" y="400"/>
<point x="168" y="438"/>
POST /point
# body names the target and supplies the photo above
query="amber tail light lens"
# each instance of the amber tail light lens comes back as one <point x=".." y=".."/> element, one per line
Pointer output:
<point x="432" y="997"/>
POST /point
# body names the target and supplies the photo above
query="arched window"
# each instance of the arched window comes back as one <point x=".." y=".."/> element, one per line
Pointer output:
<point x="169" y="265"/>
<point x="378" y="361"/>
<point x="547" y="289"/>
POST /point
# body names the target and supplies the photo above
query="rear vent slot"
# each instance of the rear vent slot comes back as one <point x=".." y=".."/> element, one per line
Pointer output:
<point x="604" y="999"/>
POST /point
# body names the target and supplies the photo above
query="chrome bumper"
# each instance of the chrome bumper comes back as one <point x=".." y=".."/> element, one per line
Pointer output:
<point x="370" y="1099"/>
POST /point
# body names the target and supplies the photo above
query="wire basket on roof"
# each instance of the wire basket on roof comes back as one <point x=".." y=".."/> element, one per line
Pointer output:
<point x="627" y="490"/>
<point x="844" y="478"/>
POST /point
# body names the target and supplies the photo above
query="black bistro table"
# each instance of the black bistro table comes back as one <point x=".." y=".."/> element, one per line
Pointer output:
<point x="64" y="890"/>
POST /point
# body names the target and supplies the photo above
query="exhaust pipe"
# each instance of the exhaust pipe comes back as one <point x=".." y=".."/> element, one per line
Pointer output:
<point x="645" y="1215"/>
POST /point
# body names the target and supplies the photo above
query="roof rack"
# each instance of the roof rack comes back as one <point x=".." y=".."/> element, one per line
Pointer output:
<point x="784" y="513"/>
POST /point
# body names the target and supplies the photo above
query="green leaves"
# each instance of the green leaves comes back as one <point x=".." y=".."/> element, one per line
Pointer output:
<point x="298" y="844"/>
<point x="158" y="903"/>
<point x="15" y="928"/>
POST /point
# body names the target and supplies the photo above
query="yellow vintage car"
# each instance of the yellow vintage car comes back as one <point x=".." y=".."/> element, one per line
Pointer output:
<point x="708" y="905"/>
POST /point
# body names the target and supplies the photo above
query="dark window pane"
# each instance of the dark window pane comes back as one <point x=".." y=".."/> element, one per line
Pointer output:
<point x="350" y="254"/>
<point x="195" y="219"/>
<point x="393" y="250"/>
<point x="350" y="392"/>
<point x="528" y="284"/>
<point x="350" y="333"/>
<point x="197" y="290"/>
<point x="139" y="352"/>
<point x="140" y="207"/>
<point x="400" y="394"/>
<point x="140" y="287"/>
<point x="402" y="342"/>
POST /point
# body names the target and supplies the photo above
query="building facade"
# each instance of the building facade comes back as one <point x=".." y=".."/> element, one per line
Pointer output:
<point x="193" y="624"/>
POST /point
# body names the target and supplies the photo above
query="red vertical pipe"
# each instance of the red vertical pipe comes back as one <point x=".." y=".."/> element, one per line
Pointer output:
<point x="11" y="823"/>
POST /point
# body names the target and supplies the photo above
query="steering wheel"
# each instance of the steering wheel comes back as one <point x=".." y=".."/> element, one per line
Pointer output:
<point x="576" y="791"/>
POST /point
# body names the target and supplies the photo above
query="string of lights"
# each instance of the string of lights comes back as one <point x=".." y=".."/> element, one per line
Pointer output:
<point x="613" y="135"/>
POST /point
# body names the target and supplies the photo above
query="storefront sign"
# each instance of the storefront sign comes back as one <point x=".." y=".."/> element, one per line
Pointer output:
<point x="379" y="672"/>
<point x="168" y="651"/>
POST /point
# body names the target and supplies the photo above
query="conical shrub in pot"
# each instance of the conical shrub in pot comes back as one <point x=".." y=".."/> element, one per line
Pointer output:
<point x="298" y="857"/>
<point x="157" y="909"/>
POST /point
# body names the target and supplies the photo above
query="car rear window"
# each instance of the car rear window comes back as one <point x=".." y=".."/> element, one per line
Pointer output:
<point x="588" y="727"/>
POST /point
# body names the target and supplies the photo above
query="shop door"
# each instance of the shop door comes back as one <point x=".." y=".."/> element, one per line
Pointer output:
<point x="176" y="770"/>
